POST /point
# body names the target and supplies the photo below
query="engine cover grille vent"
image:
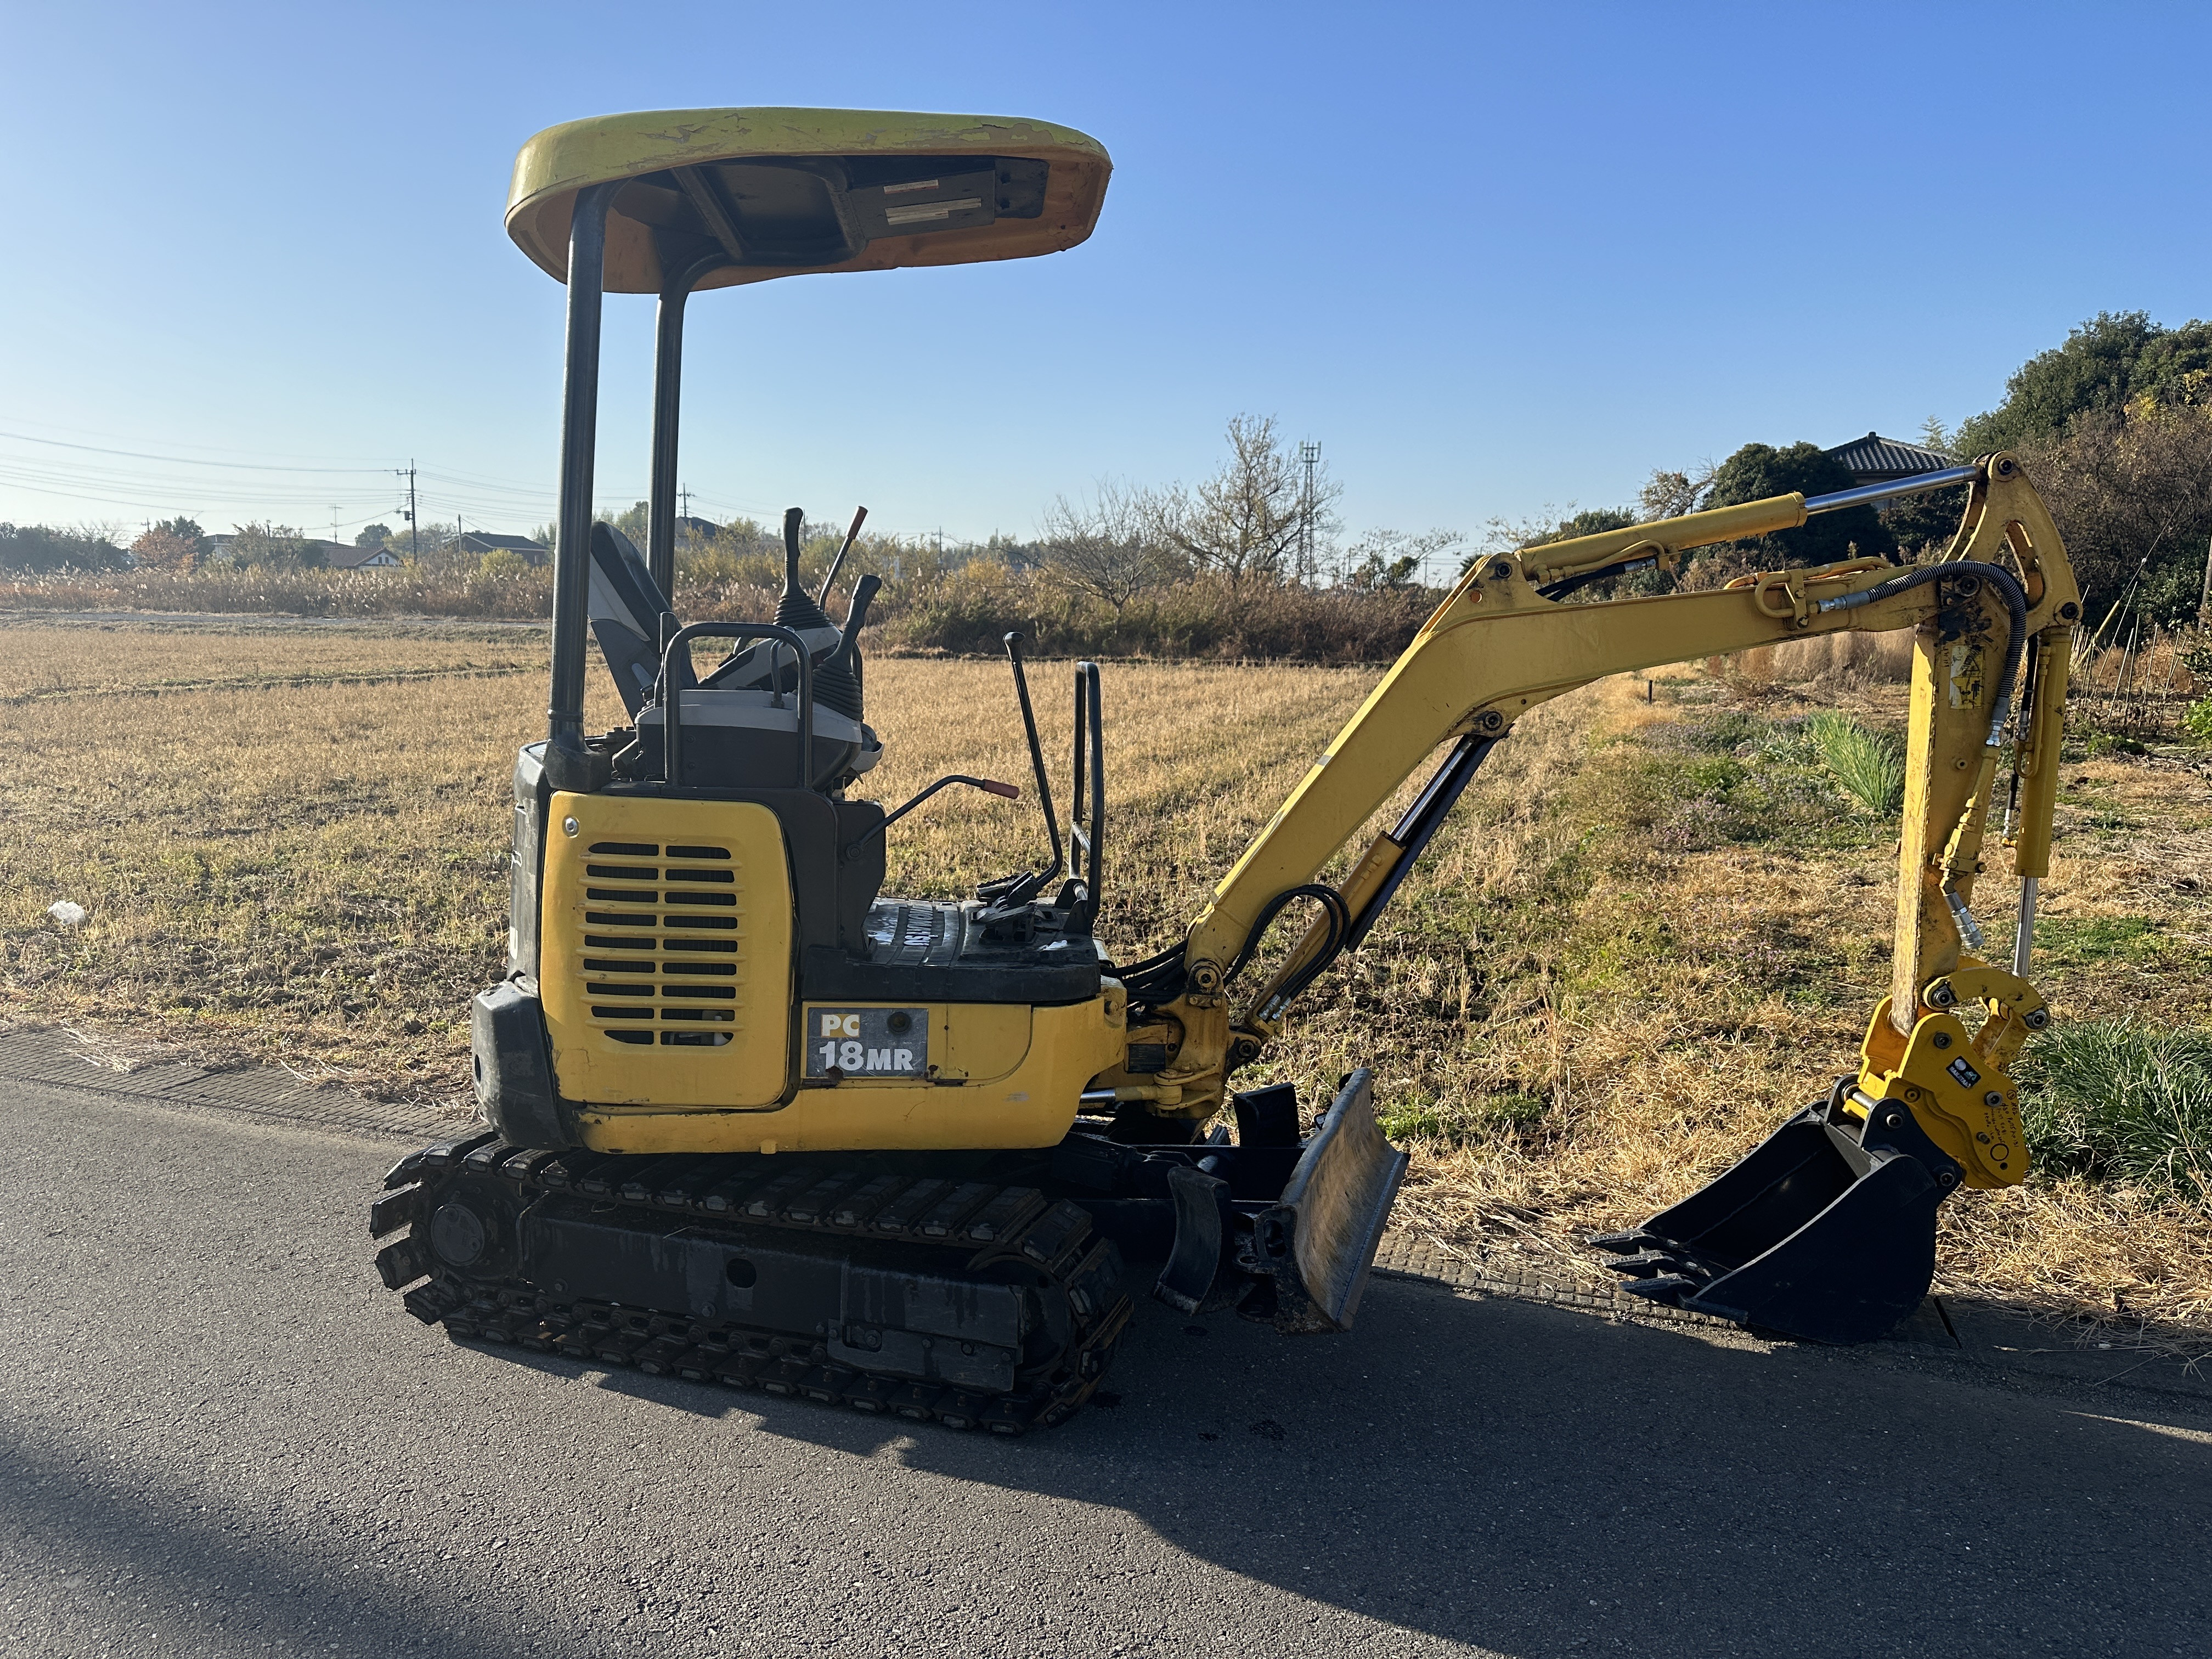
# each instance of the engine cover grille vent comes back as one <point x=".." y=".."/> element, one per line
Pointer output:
<point x="662" y="958"/>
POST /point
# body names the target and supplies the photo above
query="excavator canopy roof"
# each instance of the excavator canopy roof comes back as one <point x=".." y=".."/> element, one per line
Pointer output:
<point x="778" y="192"/>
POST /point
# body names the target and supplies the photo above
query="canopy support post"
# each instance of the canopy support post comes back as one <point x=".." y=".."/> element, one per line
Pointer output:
<point x="667" y="408"/>
<point x="567" y="764"/>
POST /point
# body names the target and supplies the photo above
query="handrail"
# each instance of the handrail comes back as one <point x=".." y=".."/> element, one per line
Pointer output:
<point x="671" y="697"/>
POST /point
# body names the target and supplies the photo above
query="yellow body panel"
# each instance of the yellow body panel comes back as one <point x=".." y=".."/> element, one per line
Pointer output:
<point x="666" y="970"/>
<point x="969" y="1041"/>
<point x="1031" y="1105"/>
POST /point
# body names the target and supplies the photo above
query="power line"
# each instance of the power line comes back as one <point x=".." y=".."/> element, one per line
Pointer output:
<point x="180" y="460"/>
<point x="176" y="443"/>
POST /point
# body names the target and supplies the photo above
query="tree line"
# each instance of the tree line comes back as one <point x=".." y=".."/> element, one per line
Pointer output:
<point x="2114" y="423"/>
<point x="178" y="546"/>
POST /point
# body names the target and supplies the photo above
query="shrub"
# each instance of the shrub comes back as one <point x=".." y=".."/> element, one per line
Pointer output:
<point x="2116" y="1101"/>
<point x="2198" y="720"/>
<point x="1870" y="764"/>
<point x="963" y="610"/>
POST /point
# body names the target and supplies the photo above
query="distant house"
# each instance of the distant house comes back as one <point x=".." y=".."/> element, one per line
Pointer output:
<point x="705" y="529"/>
<point x="344" y="556"/>
<point x="337" y="556"/>
<point x="475" y="543"/>
<point x="1875" y="459"/>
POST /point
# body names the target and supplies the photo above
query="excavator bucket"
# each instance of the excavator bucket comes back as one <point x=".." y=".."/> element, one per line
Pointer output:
<point x="1826" y="1232"/>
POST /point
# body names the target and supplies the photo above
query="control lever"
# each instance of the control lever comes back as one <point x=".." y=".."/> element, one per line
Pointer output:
<point x="1010" y="892"/>
<point x="822" y="595"/>
<point x="856" y="618"/>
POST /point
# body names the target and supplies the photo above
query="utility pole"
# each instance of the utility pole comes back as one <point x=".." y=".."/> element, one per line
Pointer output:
<point x="1308" y="458"/>
<point x="413" y="540"/>
<point x="684" y="496"/>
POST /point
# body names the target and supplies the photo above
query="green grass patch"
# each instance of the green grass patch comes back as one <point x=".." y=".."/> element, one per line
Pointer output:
<point x="1870" y="764"/>
<point x="2115" y="1100"/>
<point x="1459" y="1123"/>
<point x="1735" y="778"/>
<point x="2079" y="941"/>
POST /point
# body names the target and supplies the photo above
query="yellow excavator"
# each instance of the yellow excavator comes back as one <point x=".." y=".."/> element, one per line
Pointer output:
<point x="752" y="1122"/>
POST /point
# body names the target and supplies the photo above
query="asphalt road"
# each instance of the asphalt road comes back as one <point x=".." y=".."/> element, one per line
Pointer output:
<point x="218" y="1435"/>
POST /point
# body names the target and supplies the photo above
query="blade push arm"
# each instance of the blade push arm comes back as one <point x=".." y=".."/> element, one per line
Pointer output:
<point x="1497" y="646"/>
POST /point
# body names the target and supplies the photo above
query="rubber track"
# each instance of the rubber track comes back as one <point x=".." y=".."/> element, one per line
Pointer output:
<point x="975" y="1224"/>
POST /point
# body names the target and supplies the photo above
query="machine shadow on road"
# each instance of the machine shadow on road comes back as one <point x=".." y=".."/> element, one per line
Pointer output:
<point x="1533" y="1480"/>
<point x="200" y="1585"/>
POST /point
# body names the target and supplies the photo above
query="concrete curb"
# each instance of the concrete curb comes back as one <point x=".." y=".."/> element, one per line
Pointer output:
<point x="56" y="1058"/>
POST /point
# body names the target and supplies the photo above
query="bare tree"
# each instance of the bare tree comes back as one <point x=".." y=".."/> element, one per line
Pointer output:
<point x="1669" y="494"/>
<point x="2132" y="495"/>
<point x="1243" y="523"/>
<point x="1110" y="546"/>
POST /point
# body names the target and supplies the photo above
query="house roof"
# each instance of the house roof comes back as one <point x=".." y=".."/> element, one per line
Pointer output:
<point x="478" y="541"/>
<point x="1877" y="459"/>
<point x="340" y="557"/>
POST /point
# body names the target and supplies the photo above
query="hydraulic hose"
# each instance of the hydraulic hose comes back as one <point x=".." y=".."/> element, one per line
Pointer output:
<point x="1339" y="927"/>
<point x="2008" y="586"/>
<point x="1162" y="977"/>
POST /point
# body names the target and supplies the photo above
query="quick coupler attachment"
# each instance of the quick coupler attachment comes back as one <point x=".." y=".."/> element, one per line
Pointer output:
<point x="1826" y="1232"/>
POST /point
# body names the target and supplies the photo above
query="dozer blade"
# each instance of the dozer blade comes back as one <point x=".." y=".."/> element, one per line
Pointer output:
<point x="1824" y="1232"/>
<point x="1321" y="1234"/>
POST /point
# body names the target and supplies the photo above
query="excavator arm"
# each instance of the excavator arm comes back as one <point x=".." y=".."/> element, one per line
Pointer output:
<point x="1995" y="613"/>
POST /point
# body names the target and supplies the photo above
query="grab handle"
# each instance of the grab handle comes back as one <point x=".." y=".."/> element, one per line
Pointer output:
<point x="671" y="730"/>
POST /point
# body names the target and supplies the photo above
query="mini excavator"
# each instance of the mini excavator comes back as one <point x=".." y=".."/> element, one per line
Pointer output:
<point x="749" y="1121"/>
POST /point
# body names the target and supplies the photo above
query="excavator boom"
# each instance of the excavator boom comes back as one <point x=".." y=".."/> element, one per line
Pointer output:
<point x="2000" y="603"/>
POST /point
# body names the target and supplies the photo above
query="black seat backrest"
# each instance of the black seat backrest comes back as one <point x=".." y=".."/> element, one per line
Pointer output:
<point x="627" y="606"/>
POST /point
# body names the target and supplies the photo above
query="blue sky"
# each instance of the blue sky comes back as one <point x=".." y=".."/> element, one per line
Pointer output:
<point x="1492" y="257"/>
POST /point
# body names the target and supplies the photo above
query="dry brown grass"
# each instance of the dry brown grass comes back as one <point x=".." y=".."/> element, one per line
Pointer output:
<point x="1587" y="1001"/>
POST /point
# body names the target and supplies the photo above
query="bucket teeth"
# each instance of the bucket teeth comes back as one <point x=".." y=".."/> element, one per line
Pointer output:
<point x="1666" y="1287"/>
<point x="1623" y="1244"/>
<point x="1646" y="1264"/>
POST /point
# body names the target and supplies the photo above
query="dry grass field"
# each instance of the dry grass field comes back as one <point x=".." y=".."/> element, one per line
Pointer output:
<point x="1651" y="929"/>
